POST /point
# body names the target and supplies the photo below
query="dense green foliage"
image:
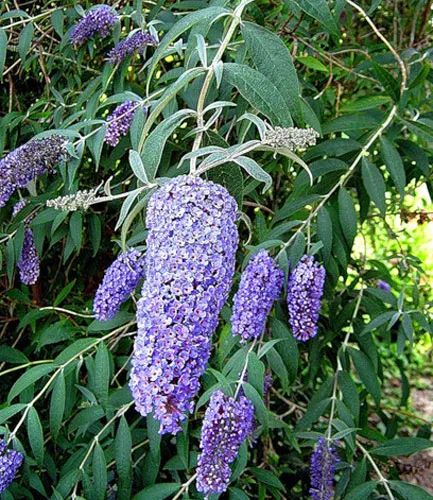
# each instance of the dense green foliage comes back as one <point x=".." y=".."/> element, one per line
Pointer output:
<point x="359" y="74"/>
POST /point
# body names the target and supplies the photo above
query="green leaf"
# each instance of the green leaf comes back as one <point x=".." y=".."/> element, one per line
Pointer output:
<point x="319" y="10"/>
<point x="230" y="176"/>
<point x="347" y="214"/>
<point x="256" y="372"/>
<point x="374" y="184"/>
<point x="155" y="143"/>
<point x="36" y="435"/>
<point x="362" y="492"/>
<point x="28" y="378"/>
<point x="237" y="494"/>
<point x="267" y="477"/>
<point x="57" y="19"/>
<point x="153" y="434"/>
<point x="25" y="40"/>
<point x="402" y="446"/>
<point x="259" y="91"/>
<point x="390" y="84"/>
<point x="312" y="63"/>
<point x="313" y="413"/>
<point x="324" y="232"/>
<point x="76" y="229"/>
<point x="64" y="293"/>
<point x="99" y="473"/>
<point x="11" y="355"/>
<point x="123" y="455"/>
<point x="102" y="374"/>
<point x="370" y="102"/>
<point x="10" y="411"/>
<point x="273" y="59"/>
<point x="57" y="405"/>
<point x="253" y="169"/>
<point x="287" y="348"/>
<point x="366" y="373"/>
<point x="394" y="164"/>
<point x="410" y="491"/>
<point x="157" y="491"/>
<point x="420" y="129"/>
<point x="3" y="49"/>
<point x="259" y="405"/>
<point x="184" y="24"/>
<point x="137" y="167"/>
<point x="74" y="350"/>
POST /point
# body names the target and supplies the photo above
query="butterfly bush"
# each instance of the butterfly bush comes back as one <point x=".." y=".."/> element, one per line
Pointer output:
<point x="260" y="286"/>
<point x="10" y="462"/>
<point x="322" y="470"/>
<point x="227" y="423"/>
<point x="119" y="122"/>
<point x="190" y="262"/>
<point x="97" y="21"/>
<point x="305" y="290"/>
<point x="25" y="163"/>
<point x="134" y="44"/>
<point x="120" y="280"/>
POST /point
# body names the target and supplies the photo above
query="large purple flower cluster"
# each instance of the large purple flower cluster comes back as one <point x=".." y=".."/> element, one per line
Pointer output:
<point x="98" y="20"/>
<point x="28" y="263"/>
<point x="227" y="423"/>
<point x="190" y="260"/>
<point x="119" y="122"/>
<point x="260" y="286"/>
<point x="120" y="280"/>
<point x="28" y="161"/>
<point x="305" y="290"/>
<point x="322" y="470"/>
<point x="10" y="462"/>
<point x="134" y="44"/>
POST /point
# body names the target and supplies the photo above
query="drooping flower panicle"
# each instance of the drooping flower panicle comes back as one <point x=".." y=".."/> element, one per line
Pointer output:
<point x="81" y="200"/>
<point x="119" y="122"/>
<point x="305" y="290"/>
<point x="99" y="20"/>
<point x="10" y="462"/>
<point x="25" y="163"/>
<point x="134" y="44"/>
<point x="120" y="280"/>
<point x="260" y="286"/>
<point x="322" y="470"/>
<point x="28" y="263"/>
<point x="227" y="423"/>
<point x="190" y="262"/>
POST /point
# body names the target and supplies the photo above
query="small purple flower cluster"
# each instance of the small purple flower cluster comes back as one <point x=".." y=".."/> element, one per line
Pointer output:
<point x="28" y="263"/>
<point x="98" y="20"/>
<point x="227" y="423"/>
<point x="322" y="470"/>
<point x="28" y="161"/>
<point x="190" y="260"/>
<point x="260" y="286"/>
<point x="383" y="285"/>
<point x="10" y="462"/>
<point x="119" y="122"/>
<point x="134" y="44"/>
<point x="305" y="290"/>
<point x="120" y="280"/>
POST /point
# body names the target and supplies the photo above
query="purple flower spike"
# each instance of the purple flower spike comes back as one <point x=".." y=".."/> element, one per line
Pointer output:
<point x="28" y="263"/>
<point x="119" y="122"/>
<point x="323" y="461"/>
<point x="227" y="423"/>
<point x="134" y="44"/>
<point x="305" y="290"/>
<point x="25" y="163"/>
<point x="120" y="280"/>
<point x="190" y="260"/>
<point x="99" y="20"/>
<point x="260" y="286"/>
<point x="10" y="462"/>
<point x="383" y="285"/>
